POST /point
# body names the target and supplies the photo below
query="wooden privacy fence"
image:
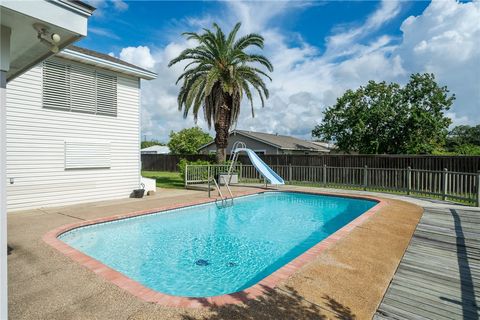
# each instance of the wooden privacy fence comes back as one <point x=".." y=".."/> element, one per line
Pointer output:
<point x="168" y="162"/>
<point x="165" y="162"/>
<point x="447" y="185"/>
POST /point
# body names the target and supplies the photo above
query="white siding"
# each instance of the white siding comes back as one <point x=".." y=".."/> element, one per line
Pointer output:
<point x="36" y="144"/>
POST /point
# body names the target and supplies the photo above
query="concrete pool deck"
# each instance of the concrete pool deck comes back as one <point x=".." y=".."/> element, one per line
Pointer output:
<point x="348" y="280"/>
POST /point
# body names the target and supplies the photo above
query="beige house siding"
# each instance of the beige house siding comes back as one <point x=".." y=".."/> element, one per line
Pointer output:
<point x="37" y="140"/>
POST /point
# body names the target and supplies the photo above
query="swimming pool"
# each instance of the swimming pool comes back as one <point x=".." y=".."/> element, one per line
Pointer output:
<point x="203" y="250"/>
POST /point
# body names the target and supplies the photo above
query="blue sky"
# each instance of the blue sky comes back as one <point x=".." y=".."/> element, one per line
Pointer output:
<point x="319" y="50"/>
<point x="151" y="22"/>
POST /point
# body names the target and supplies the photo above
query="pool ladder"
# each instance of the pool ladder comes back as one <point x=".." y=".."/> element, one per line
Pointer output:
<point x="224" y="201"/>
<point x="233" y="161"/>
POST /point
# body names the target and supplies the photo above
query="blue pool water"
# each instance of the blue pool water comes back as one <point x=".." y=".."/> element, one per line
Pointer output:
<point x="205" y="251"/>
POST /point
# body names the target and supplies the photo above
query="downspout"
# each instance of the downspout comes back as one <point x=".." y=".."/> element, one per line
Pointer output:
<point x="139" y="142"/>
<point x="4" y="67"/>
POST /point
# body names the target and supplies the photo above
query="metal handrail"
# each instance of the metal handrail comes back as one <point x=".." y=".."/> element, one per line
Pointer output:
<point x="233" y="159"/>
<point x="229" y="191"/>
<point x="218" y="190"/>
<point x="223" y="199"/>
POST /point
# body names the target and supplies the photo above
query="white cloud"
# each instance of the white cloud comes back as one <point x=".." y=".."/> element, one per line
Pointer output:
<point x="443" y="39"/>
<point x="139" y="56"/>
<point x="104" y="6"/>
<point x="120" y="5"/>
<point x="103" y="32"/>
<point x="341" y="43"/>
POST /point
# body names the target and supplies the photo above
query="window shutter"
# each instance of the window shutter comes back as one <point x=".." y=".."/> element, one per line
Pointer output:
<point x="76" y="88"/>
<point x="82" y="89"/>
<point x="87" y="154"/>
<point x="106" y="94"/>
<point x="56" y="86"/>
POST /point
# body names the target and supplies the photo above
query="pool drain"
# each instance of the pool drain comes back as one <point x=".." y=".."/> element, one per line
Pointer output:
<point x="231" y="264"/>
<point x="202" y="263"/>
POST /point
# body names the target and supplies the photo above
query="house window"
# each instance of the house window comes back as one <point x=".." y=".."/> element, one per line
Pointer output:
<point x="76" y="88"/>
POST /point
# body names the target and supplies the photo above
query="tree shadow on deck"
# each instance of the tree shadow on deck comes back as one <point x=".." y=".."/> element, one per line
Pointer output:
<point x="469" y="306"/>
<point x="275" y="304"/>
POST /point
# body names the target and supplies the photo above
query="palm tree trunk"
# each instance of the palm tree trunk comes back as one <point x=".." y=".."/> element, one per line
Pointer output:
<point x="222" y="126"/>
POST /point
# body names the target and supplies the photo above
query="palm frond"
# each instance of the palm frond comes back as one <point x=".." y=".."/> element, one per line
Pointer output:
<point x="252" y="39"/>
<point x="219" y="72"/>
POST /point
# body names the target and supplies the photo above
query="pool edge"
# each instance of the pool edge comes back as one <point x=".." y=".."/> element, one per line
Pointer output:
<point x="260" y="288"/>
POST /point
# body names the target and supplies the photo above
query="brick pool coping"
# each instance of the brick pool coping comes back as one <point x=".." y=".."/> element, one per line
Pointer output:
<point x="265" y="285"/>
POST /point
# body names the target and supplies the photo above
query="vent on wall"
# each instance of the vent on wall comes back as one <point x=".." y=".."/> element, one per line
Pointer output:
<point x="87" y="154"/>
<point x="77" y="88"/>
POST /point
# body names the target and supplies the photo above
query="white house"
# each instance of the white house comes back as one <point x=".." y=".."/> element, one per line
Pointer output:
<point x="156" y="150"/>
<point x="31" y="31"/>
<point x="73" y="130"/>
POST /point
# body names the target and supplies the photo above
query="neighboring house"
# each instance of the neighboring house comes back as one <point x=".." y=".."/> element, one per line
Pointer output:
<point x="265" y="143"/>
<point x="73" y="130"/>
<point x="326" y="145"/>
<point x="156" y="150"/>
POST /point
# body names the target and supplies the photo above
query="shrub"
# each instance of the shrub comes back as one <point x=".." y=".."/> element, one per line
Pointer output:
<point x="184" y="162"/>
<point x="204" y="174"/>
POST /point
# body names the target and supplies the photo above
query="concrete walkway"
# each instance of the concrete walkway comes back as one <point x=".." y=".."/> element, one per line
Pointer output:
<point x="346" y="281"/>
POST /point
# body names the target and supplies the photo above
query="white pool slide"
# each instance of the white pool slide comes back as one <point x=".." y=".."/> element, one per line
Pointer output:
<point x="267" y="172"/>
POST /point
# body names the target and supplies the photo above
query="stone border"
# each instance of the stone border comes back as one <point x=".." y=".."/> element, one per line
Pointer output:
<point x="265" y="285"/>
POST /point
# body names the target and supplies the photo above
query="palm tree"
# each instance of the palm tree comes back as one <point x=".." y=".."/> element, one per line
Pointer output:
<point x="217" y="76"/>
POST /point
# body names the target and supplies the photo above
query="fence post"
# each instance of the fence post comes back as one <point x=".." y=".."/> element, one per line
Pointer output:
<point x="324" y="175"/>
<point x="289" y="172"/>
<point x="208" y="178"/>
<point x="478" y="188"/>
<point x="185" y="177"/>
<point x="365" y="177"/>
<point x="444" y="189"/>
<point x="409" y="179"/>
<point x="240" y="171"/>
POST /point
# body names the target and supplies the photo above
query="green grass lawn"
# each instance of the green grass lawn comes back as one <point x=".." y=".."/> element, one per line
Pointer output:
<point x="165" y="179"/>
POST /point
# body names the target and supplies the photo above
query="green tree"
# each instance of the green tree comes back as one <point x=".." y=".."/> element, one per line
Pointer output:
<point x="187" y="141"/>
<point x="146" y="144"/>
<point x="219" y="73"/>
<point x="382" y="118"/>
<point x="463" y="135"/>
<point x="467" y="150"/>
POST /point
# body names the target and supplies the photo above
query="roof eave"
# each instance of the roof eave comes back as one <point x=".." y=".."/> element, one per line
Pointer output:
<point x="297" y="149"/>
<point x="258" y="139"/>
<point x="273" y="144"/>
<point x="75" y="55"/>
<point x="75" y="5"/>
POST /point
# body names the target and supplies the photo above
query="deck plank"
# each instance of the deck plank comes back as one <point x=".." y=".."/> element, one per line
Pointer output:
<point x="439" y="275"/>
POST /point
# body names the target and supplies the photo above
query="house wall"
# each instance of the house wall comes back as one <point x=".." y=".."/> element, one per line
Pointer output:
<point x="251" y="144"/>
<point x="36" y="147"/>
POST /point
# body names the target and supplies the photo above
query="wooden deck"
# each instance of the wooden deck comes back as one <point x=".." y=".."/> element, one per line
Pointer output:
<point x="439" y="275"/>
